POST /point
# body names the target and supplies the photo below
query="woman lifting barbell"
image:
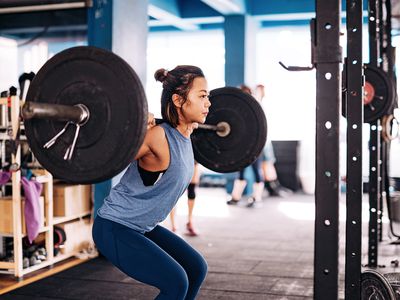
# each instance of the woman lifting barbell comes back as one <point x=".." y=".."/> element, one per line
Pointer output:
<point x="126" y="229"/>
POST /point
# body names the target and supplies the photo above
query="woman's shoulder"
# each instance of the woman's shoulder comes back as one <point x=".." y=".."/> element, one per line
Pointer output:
<point x="157" y="141"/>
<point x="157" y="133"/>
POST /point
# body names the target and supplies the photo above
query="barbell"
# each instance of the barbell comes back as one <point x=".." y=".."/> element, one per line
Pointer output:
<point x="85" y="117"/>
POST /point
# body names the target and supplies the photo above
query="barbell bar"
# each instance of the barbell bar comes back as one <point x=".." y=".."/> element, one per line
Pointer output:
<point x="79" y="114"/>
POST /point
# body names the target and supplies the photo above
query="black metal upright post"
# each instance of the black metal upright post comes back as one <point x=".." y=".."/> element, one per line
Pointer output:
<point x="373" y="14"/>
<point x="390" y="50"/>
<point x="390" y="60"/>
<point x="387" y="65"/>
<point x="328" y="57"/>
<point x="381" y="182"/>
<point x="355" y="117"/>
<point x="383" y="63"/>
<point x="374" y="187"/>
<point x="374" y="142"/>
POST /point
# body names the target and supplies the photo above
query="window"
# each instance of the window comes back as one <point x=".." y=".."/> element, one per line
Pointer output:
<point x="204" y="49"/>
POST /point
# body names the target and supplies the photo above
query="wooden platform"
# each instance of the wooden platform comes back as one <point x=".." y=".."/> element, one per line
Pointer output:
<point x="264" y="252"/>
<point x="10" y="283"/>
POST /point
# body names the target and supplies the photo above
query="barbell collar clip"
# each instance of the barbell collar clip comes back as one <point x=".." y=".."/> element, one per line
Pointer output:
<point x="54" y="139"/>
<point x="71" y="148"/>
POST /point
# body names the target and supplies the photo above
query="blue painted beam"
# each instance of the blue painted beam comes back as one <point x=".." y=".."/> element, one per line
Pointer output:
<point x="257" y="7"/>
<point x="211" y="26"/>
<point x="100" y="24"/>
<point x="266" y="24"/>
<point x="168" y="11"/>
<point x="300" y="22"/>
<point x="196" y="9"/>
<point x="170" y="6"/>
<point x="263" y="24"/>
<point x="235" y="50"/>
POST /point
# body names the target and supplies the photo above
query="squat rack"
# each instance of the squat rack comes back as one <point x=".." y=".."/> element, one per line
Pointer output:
<point x="327" y="60"/>
<point x="354" y="113"/>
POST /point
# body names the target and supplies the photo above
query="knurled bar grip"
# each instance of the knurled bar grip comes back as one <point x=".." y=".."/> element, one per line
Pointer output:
<point x="73" y="113"/>
<point x="202" y="126"/>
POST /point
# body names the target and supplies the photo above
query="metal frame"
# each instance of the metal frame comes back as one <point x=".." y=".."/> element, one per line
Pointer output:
<point x="374" y="193"/>
<point x="383" y="65"/>
<point x="328" y="57"/>
<point x="374" y="143"/>
<point x="389" y="49"/>
<point x="390" y="59"/>
<point x="380" y="56"/>
<point x="355" y="117"/>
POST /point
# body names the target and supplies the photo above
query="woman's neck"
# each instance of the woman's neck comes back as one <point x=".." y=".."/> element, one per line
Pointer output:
<point x="184" y="129"/>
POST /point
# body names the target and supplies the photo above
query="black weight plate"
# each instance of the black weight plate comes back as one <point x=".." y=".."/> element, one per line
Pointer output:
<point x="114" y="95"/>
<point x="247" y="137"/>
<point x="380" y="96"/>
<point x="375" y="286"/>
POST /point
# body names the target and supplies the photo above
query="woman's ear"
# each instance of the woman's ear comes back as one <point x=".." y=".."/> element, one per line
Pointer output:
<point x="177" y="100"/>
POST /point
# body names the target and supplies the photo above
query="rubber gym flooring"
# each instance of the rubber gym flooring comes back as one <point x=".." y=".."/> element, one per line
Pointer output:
<point x="264" y="252"/>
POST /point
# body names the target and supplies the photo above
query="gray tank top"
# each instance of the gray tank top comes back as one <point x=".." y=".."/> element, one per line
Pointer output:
<point x="141" y="207"/>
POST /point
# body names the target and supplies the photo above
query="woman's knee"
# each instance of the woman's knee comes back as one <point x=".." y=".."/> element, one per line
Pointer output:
<point x="98" y="235"/>
<point x="200" y="269"/>
<point x="197" y="275"/>
<point x="176" y="287"/>
<point x="182" y="284"/>
<point x="204" y="269"/>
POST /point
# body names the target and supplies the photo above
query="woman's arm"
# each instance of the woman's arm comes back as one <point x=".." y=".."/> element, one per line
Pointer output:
<point x="154" y="152"/>
<point x="144" y="148"/>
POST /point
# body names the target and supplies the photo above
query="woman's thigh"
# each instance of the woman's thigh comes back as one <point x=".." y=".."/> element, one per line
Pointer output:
<point x="139" y="257"/>
<point x="191" y="260"/>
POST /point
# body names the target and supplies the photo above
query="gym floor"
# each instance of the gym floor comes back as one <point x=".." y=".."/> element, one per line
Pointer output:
<point x="264" y="252"/>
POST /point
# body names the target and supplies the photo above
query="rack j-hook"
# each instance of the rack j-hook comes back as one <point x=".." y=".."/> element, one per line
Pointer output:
<point x="296" y="68"/>
<point x="309" y="68"/>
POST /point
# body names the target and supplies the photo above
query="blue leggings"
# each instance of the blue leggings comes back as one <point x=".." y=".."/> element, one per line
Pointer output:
<point x="158" y="258"/>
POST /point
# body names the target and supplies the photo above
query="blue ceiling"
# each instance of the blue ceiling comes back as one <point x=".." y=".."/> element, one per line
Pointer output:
<point x="163" y="15"/>
<point x="210" y="13"/>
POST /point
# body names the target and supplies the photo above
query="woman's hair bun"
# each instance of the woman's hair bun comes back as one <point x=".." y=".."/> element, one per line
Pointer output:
<point x="161" y="75"/>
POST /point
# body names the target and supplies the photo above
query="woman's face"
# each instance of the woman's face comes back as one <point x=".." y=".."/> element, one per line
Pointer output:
<point x="195" y="109"/>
